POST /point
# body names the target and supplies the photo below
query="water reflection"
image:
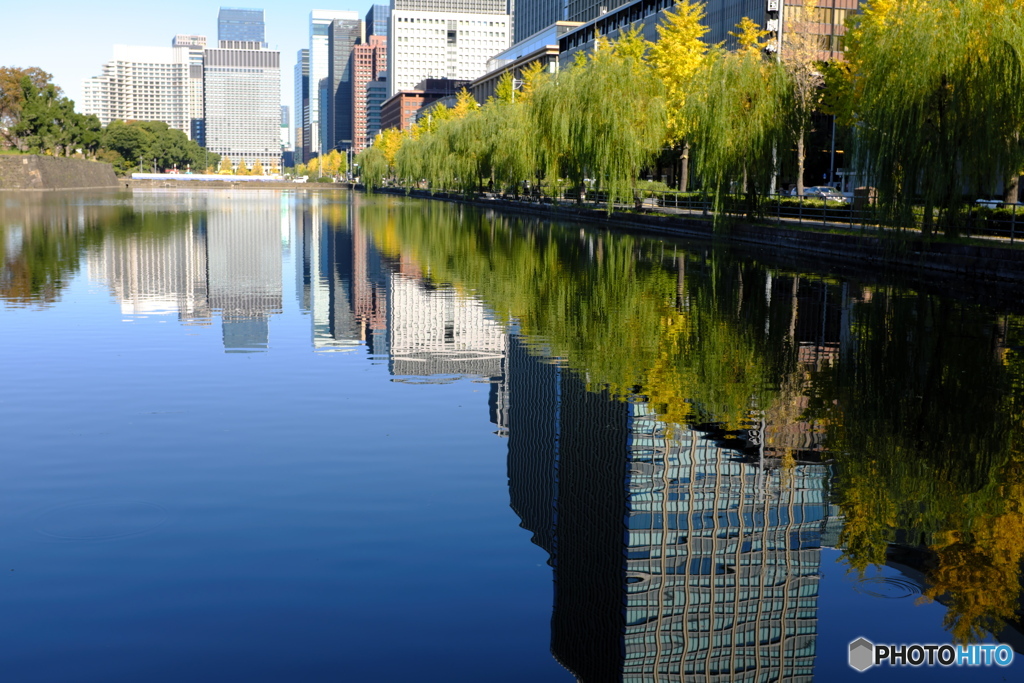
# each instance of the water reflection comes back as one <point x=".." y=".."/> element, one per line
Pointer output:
<point x="895" y="411"/>
<point x="686" y="429"/>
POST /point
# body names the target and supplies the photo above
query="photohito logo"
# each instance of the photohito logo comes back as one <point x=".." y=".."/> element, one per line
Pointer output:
<point x="864" y="654"/>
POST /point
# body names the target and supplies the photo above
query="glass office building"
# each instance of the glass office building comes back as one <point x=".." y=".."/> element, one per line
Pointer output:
<point x="235" y="23"/>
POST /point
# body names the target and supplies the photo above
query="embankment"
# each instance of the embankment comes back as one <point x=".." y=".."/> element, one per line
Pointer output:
<point x="36" y="172"/>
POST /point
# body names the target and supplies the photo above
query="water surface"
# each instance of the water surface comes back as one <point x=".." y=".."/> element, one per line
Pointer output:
<point x="266" y="436"/>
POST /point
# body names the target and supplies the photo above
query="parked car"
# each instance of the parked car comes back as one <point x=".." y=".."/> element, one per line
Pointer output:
<point x="825" y="192"/>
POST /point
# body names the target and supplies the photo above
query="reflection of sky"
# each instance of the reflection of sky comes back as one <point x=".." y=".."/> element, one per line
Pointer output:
<point x="847" y="614"/>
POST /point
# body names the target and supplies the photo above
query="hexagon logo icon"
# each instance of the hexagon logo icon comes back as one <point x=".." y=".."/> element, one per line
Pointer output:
<point x="862" y="654"/>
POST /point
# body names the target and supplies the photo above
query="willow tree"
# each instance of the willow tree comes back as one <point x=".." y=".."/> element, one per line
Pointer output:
<point x="677" y="58"/>
<point x="604" y="117"/>
<point x="373" y="167"/>
<point x="513" y="152"/>
<point x="938" y="96"/>
<point x="739" y="117"/>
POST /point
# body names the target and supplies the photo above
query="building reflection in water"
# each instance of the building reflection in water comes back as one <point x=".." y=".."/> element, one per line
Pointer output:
<point x="226" y="260"/>
<point x="675" y="558"/>
<point x="341" y="278"/>
<point x="427" y="331"/>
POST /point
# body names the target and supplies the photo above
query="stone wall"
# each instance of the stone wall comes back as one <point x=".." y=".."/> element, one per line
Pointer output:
<point x="35" y="172"/>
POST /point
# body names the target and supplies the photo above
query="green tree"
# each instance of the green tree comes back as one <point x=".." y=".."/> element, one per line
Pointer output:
<point x="938" y="98"/>
<point x="12" y="97"/>
<point x="740" y="116"/>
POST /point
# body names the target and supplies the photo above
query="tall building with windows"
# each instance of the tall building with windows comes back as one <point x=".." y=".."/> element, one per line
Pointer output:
<point x="344" y="35"/>
<point x="243" y="110"/>
<point x="319" y="72"/>
<point x="533" y="16"/>
<point x="143" y="84"/>
<point x="444" y="39"/>
<point x="235" y="23"/>
<point x="369" y="62"/>
<point x="302" y="106"/>
<point x="376" y="95"/>
<point x="196" y="46"/>
<point x="377" y="20"/>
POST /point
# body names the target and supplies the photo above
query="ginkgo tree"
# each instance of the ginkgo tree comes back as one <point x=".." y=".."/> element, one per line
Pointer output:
<point x="677" y="57"/>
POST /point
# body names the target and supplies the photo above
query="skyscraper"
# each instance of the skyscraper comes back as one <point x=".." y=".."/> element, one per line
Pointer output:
<point x="302" y="106"/>
<point x="196" y="46"/>
<point x="444" y="39"/>
<point x="377" y="20"/>
<point x="319" y="68"/>
<point x="369" y="63"/>
<point x="243" y="110"/>
<point x="536" y="15"/>
<point x="142" y="84"/>
<point x="235" y="23"/>
<point x="343" y="36"/>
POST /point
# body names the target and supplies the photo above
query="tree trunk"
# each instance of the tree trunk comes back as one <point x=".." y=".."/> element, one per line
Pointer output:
<point x="1011" y="193"/>
<point x="684" y="168"/>
<point x="800" y="154"/>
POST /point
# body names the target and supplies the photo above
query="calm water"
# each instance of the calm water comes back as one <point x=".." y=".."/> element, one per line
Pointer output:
<point x="266" y="436"/>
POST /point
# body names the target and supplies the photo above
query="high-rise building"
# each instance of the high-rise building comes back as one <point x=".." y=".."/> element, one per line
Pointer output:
<point x="286" y="138"/>
<point x="377" y="20"/>
<point x="376" y="95"/>
<point x="343" y="36"/>
<point x="319" y="72"/>
<point x="369" y="62"/>
<point x="142" y="84"/>
<point x="243" y="95"/>
<point x="302" y="106"/>
<point x="235" y="23"/>
<point x="533" y="16"/>
<point x="444" y="39"/>
<point x="196" y="46"/>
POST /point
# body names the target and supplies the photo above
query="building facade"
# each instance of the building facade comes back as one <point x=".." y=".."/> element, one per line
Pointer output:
<point x="143" y="84"/>
<point x="196" y="46"/>
<point x="722" y="17"/>
<point x="376" y="95"/>
<point x="243" y="111"/>
<point x="236" y="23"/>
<point x="342" y="38"/>
<point x="433" y="39"/>
<point x="319" y="71"/>
<point x="377" y="20"/>
<point x="301" y="110"/>
<point x="400" y="110"/>
<point x="369" y="63"/>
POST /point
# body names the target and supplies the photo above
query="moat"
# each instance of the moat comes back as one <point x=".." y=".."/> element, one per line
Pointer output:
<point x="271" y="435"/>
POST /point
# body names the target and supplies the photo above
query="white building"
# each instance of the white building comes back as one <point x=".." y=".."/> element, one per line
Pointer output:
<point x="196" y="50"/>
<point x="142" y="84"/>
<point x="243" y="110"/>
<point x="319" y="70"/>
<point x="429" y="43"/>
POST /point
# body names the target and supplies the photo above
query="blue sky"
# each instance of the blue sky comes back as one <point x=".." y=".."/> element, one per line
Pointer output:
<point x="72" y="40"/>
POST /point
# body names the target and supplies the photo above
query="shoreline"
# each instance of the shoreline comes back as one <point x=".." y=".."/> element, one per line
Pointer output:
<point x="978" y="263"/>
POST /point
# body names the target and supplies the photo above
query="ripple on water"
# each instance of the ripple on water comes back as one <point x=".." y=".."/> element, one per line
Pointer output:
<point x="887" y="587"/>
<point x="100" y="520"/>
